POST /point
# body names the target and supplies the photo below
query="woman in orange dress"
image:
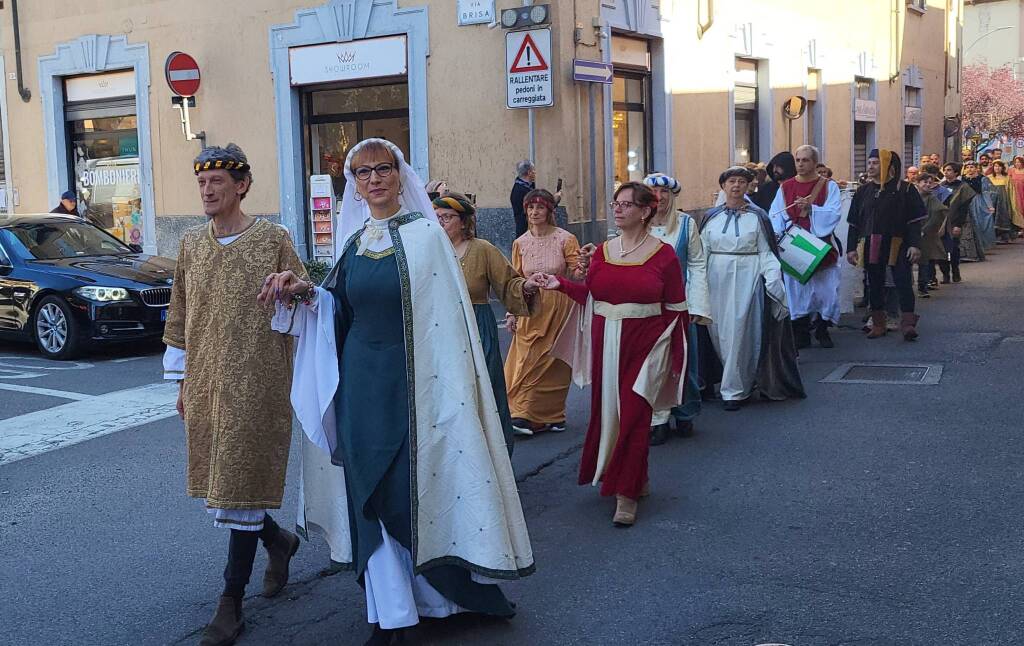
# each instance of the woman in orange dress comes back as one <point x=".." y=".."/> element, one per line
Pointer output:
<point x="538" y="382"/>
<point x="1016" y="173"/>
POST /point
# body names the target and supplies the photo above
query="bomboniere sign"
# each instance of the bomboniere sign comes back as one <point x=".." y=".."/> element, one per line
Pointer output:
<point x="358" y="59"/>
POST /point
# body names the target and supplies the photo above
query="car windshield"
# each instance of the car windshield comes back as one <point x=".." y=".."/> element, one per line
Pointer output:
<point x="54" y="240"/>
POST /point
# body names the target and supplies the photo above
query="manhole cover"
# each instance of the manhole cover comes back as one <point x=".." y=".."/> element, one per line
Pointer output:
<point x="917" y="374"/>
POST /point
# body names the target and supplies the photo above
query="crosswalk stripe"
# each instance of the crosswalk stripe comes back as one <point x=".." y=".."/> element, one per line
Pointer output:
<point x="45" y="430"/>
<point x="49" y="392"/>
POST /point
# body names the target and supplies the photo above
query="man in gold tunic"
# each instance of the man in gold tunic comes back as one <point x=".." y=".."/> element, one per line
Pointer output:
<point x="235" y="377"/>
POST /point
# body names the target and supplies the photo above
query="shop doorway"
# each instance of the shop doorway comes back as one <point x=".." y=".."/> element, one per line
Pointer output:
<point x="338" y="119"/>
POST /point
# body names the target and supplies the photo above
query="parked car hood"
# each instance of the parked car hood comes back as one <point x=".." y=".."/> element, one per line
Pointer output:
<point x="137" y="268"/>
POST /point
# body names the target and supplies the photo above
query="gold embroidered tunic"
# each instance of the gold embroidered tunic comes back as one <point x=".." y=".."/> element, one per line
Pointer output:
<point x="238" y="371"/>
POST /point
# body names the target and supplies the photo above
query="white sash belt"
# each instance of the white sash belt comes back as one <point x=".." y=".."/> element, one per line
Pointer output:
<point x="623" y="311"/>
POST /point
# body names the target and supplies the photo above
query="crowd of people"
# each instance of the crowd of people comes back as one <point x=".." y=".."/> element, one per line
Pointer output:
<point x="393" y="368"/>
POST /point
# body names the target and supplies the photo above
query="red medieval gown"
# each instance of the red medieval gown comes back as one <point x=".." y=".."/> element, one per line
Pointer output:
<point x="638" y="320"/>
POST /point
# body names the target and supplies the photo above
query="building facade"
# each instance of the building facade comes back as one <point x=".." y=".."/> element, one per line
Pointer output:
<point x="695" y="86"/>
<point x="993" y="33"/>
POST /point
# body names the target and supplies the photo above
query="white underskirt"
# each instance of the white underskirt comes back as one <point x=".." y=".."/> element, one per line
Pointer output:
<point x="396" y="597"/>
<point x="246" y="520"/>
<point x="660" y="417"/>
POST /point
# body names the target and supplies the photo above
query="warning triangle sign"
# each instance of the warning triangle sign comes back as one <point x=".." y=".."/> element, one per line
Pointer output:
<point x="529" y="58"/>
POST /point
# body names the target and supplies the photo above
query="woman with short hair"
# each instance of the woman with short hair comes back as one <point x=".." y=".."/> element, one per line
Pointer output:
<point x="390" y="385"/>
<point x="750" y="330"/>
<point x="631" y="345"/>
<point x="485" y="270"/>
<point x="538" y="383"/>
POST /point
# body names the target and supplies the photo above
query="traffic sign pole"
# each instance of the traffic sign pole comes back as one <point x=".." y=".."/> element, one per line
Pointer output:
<point x="182" y="73"/>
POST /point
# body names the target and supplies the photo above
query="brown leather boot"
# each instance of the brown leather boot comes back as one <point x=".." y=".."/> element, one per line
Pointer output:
<point x="625" y="511"/>
<point x="908" y="325"/>
<point x="279" y="554"/>
<point x="227" y="623"/>
<point x="877" y="324"/>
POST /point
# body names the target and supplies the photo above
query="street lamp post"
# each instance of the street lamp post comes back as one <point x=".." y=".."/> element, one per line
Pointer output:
<point x="986" y="35"/>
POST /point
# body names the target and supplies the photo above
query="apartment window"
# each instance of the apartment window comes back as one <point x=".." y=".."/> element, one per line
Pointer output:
<point x="864" y="89"/>
<point x="745" y="102"/>
<point x="919" y="6"/>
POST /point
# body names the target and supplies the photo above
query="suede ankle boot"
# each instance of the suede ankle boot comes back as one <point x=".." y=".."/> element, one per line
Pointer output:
<point x="878" y="321"/>
<point x="908" y="326"/>
<point x="281" y="546"/>
<point x="227" y="623"/>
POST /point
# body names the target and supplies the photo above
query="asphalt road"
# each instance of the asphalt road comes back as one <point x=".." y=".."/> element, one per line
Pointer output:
<point x="867" y="514"/>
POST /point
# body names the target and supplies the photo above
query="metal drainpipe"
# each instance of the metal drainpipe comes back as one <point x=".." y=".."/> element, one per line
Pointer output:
<point x="26" y="95"/>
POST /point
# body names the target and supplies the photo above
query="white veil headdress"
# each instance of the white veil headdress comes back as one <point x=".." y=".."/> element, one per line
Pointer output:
<point x="355" y="213"/>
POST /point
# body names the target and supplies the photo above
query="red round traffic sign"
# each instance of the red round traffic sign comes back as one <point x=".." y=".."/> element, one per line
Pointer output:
<point x="182" y="73"/>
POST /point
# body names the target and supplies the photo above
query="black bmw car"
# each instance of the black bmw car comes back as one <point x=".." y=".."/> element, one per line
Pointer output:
<point x="65" y="283"/>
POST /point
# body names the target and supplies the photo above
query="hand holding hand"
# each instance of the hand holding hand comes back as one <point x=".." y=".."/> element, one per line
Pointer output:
<point x="545" y="281"/>
<point x="586" y="253"/>
<point x="281" y="287"/>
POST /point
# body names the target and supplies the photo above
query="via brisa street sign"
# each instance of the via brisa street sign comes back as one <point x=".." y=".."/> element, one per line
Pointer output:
<point x="528" y="69"/>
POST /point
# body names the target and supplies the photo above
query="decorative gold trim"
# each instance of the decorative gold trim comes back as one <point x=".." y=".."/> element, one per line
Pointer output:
<point x="377" y="255"/>
<point x="625" y="263"/>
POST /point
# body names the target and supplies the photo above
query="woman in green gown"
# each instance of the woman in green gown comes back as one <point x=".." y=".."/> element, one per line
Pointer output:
<point x="486" y="270"/>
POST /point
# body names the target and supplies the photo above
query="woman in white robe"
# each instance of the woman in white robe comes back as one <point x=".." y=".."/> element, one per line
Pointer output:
<point x="405" y="469"/>
<point x="753" y="344"/>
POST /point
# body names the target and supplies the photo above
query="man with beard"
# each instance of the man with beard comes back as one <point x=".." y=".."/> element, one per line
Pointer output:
<point x="780" y="168"/>
<point x="235" y="376"/>
<point x="885" y="232"/>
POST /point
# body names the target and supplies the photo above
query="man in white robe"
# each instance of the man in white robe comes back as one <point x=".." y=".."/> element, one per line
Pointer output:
<point x="814" y="203"/>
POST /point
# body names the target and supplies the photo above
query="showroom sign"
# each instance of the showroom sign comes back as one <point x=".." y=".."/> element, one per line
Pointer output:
<point x="358" y="59"/>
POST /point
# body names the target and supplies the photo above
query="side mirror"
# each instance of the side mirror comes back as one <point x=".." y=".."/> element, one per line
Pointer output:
<point x="137" y="248"/>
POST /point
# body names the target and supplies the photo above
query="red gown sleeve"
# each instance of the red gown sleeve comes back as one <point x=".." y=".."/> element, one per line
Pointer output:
<point x="673" y="299"/>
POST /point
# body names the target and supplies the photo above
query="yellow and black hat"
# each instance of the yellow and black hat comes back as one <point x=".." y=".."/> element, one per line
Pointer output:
<point x="229" y="157"/>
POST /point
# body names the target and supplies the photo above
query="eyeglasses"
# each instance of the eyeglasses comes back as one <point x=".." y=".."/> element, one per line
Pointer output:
<point x="445" y="218"/>
<point x="383" y="170"/>
<point x="621" y="205"/>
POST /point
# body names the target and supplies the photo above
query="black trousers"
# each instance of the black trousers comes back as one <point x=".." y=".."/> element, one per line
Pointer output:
<point x="902" y="275"/>
<point x="241" y="555"/>
<point x="952" y="246"/>
<point x="925" y="274"/>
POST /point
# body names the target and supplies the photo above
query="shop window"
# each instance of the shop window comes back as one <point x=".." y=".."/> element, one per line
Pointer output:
<point x="745" y="104"/>
<point x="104" y="157"/>
<point x="630" y="126"/>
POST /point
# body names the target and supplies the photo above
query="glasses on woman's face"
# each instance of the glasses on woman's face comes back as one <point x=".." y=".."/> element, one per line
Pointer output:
<point x="621" y="205"/>
<point x="445" y="218"/>
<point x="383" y="170"/>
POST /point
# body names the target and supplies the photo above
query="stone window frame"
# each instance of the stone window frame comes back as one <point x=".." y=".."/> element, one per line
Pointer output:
<point x="95" y="54"/>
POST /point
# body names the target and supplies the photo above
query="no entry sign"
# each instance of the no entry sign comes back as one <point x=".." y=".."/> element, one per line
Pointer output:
<point x="528" y="69"/>
<point x="182" y="73"/>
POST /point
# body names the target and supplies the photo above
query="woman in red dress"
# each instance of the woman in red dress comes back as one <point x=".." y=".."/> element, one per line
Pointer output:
<point x="635" y="324"/>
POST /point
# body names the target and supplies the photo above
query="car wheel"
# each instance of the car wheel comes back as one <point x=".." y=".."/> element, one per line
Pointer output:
<point x="55" y="330"/>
